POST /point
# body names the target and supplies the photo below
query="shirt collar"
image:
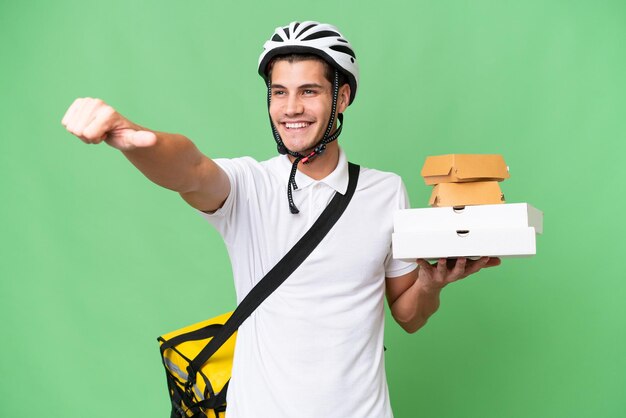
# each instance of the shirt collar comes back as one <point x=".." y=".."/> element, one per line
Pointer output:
<point x="337" y="179"/>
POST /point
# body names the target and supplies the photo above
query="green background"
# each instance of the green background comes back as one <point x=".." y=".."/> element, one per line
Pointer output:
<point x="96" y="261"/>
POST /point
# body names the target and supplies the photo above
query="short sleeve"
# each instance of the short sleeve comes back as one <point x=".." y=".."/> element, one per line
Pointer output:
<point x="233" y="211"/>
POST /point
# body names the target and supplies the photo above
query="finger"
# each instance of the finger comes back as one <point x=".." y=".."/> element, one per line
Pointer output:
<point x="425" y="265"/>
<point x="143" y="139"/>
<point x="77" y="119"/>
<point x="73" y="120"/>
<point x="85" y="116"/>
<point x="459" y="268"/>
<point x="128" y="139"/>
<point x="98" y="127"/>
<point x="475" y="266"/>
<point x="71" y="111"/>
<point x="493" y="262"/>
<point x="442" y="268"/>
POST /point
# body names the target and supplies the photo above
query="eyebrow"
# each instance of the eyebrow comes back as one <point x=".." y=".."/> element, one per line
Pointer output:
<point x="303" y="86"/>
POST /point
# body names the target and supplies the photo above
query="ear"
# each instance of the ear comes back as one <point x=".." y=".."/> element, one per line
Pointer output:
<point x="343" y="98"/>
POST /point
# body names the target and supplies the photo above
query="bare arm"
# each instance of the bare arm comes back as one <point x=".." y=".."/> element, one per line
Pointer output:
<point x="169" y="160"/>
<point x="415" y="297"/>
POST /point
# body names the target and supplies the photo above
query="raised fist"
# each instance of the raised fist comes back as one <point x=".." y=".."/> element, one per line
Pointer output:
<point x="94" y="121"/>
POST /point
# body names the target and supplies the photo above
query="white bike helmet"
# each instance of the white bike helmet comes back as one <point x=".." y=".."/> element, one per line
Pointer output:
<point x="315" y="38"/>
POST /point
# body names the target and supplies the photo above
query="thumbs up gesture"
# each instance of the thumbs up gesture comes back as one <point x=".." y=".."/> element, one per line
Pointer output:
<point x="94" y="121"/>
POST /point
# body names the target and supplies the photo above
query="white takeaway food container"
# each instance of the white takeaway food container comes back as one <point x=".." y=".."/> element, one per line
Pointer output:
<point x="501" y="230"/>
<point x="503" y="242"/>
<point x="508" y="215"/>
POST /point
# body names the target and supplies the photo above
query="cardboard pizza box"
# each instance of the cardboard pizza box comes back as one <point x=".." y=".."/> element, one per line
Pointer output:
<point x="460" y="168"/>
<point x="509" y="215"/>
<point x="432" y="245"/>
<point x="464" y="194"/>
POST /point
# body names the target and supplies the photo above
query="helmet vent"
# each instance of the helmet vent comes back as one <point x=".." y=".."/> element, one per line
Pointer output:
<point x="306" y="29"/>
<point x="321" y="34"/>
<point x="277" y="38"/>
<point x="344" y="49"/>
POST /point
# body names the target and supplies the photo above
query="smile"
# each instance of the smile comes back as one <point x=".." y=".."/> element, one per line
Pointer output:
<point x="296" y="125"/>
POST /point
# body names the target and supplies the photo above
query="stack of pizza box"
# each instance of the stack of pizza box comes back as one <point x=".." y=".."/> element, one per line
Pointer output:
<point x="468" y="216"/>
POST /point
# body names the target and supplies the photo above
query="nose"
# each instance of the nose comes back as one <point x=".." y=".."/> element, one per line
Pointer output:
<point x="293" y="105"/>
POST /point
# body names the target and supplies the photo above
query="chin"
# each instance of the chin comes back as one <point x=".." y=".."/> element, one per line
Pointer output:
<point x="302" y="146"/>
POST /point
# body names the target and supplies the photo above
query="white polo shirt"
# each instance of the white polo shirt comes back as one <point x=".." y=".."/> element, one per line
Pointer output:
<point x="314" y="348"/>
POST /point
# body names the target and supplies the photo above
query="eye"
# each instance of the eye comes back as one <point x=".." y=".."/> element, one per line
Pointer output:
<point x="278" y="93"/>
<point x="309" y="92"/>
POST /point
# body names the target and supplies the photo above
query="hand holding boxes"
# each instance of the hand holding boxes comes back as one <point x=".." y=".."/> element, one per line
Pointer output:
<point x="468" y="217"/>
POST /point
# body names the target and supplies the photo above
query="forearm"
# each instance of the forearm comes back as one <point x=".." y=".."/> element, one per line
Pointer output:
<point x="413" y="307"/>
<point x="172" y="162"/>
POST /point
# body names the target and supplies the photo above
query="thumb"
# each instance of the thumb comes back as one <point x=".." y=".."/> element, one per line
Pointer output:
<point x="141" y="139"/>
<point x="128" y="139"/>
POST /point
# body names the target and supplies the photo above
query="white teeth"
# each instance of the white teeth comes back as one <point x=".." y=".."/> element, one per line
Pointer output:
<point x="296" y="125"/>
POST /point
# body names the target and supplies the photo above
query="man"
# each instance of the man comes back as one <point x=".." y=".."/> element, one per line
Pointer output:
<point x="314" y="347"/>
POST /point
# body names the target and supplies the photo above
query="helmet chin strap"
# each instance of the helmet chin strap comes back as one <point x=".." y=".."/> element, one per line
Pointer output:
<point x="319" y="148"/>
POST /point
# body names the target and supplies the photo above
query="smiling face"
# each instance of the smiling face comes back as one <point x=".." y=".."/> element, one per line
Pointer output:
<point x="301" y="102"/>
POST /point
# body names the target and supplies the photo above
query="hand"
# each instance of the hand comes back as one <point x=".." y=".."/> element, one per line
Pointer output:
<point x="437" y="275"/>
<point x="94" y="121"/>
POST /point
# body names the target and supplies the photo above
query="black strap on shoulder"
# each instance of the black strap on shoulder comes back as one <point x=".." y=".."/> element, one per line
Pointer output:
<point x="203" y="333"/>
<point x="277" y="275"/>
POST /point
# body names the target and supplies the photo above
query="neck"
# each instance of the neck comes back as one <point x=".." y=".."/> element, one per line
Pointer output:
<point x="322" y="165"/>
